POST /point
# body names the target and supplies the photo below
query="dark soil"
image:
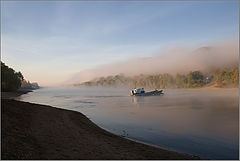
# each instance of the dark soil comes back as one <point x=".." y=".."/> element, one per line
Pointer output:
<point x="32" y="131"/>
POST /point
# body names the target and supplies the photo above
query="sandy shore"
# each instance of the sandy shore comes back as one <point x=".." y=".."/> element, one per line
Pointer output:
<point x="11" y="95"/>
<point x="33" y="131"/>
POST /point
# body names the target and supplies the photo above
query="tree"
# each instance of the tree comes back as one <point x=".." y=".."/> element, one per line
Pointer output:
<point x="180" y="81"/>
<point x="20" y="76"/>
<point x="236" y="77"/>
<point x="195" y="79"/>
<point x="10" y="80"/>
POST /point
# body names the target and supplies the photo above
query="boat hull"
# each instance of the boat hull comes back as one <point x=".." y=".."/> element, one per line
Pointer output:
<point x="152" y="93"/>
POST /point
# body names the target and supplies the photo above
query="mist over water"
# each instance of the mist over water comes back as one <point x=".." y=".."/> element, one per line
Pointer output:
<point x="173" y="60"/>
<point x="201" y="122"/>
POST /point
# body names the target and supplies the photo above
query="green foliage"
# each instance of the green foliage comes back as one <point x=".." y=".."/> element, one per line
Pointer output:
<point x="10" y="80"/>
<point x="180" y="81"/>
<point x="194" y="79"/>
<point x="227" y="78"/>
<point x="236" y="77"/>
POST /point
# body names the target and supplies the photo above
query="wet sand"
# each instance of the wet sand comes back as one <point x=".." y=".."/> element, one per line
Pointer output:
<point x="33" y="131"/>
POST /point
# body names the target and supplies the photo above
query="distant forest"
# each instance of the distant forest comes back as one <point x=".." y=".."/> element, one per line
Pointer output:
<point x="12" y="80"/>
<point x="194" y="79"/>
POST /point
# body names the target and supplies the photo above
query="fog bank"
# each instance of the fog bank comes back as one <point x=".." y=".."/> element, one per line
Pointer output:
<point x="172" y="60"/>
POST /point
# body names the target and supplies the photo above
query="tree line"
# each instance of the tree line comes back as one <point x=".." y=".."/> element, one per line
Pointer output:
<point x="12" y="80"/>
<point x="193" y="79"/>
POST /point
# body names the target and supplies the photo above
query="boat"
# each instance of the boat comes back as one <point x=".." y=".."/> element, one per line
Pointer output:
<point x="141" y="92"/>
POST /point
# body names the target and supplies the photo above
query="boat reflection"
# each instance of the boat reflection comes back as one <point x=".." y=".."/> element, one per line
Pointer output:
<point x="137" y="100"/>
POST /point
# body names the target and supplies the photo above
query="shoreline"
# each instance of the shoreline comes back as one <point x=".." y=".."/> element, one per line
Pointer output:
<point x="34" y="131"/>
<point x="12" y="95"/>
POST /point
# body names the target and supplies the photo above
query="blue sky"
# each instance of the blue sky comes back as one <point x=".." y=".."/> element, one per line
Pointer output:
<point x="50" y="41"/>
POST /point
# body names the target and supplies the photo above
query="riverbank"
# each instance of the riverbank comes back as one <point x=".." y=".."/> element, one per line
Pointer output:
<point x="33" y="131"/>
<point x="12" y="95"/>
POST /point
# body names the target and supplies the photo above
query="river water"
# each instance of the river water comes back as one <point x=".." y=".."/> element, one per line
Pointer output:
<point x="202" y="122"/>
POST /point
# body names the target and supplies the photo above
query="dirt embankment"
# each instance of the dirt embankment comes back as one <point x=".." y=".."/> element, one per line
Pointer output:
<point x="32" y="131"/>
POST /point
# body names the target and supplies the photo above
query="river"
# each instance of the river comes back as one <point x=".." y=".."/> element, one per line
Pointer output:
<point x="202" y="122"/>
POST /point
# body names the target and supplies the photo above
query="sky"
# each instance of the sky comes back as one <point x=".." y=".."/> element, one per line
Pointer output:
<point x="50" y="41"/>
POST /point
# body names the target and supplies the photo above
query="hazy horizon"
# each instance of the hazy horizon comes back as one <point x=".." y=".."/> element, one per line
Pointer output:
<point x="59" y="42"/>
<point x="172" y="60"/>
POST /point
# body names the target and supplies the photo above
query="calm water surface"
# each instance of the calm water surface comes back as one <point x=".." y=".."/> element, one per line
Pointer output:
<point x="199" y="122"/>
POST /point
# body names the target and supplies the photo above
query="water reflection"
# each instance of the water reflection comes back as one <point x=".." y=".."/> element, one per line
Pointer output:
<point x="137" y="100"/>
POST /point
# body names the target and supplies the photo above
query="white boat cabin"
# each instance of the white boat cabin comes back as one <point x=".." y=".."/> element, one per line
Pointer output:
<point x="137" y="91"/>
